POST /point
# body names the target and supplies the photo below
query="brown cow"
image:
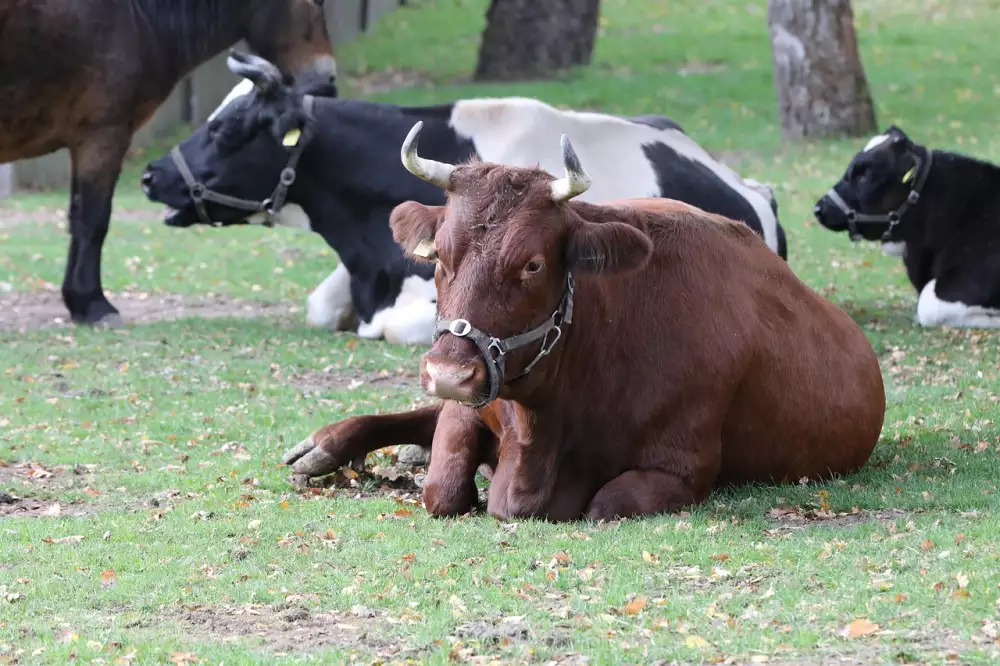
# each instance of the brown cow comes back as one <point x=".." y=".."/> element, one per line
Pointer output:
<point x="86" y="74"/>
<point x="643" y="353"/>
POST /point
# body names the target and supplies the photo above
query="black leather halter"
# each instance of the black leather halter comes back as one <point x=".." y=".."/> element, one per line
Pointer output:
<point x="495" y="350"/>
<point x="891" y="218"/>
<point x="270" y="206"/>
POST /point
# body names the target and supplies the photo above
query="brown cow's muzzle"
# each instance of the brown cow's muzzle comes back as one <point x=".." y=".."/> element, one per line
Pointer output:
<point x="453" y="370"/>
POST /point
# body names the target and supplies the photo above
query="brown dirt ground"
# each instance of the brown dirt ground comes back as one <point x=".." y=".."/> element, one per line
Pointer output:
<point x="24" y="311"/>
<point x="20" y="481"/>
<point x="317" y="380"/>
<point x="291" y="627"/>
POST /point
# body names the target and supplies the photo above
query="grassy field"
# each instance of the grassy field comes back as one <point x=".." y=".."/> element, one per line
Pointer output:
<point x="147" y="521"/>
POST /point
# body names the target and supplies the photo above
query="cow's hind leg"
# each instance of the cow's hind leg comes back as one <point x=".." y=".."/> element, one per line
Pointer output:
<point x="96" y="162"/>
<point x="643" y="492"/>
<point x="336" y="445"/>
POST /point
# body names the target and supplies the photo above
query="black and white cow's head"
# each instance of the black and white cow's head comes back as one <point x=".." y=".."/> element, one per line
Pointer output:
<point x="877" y="183"/>
<point x="239" y="153"/>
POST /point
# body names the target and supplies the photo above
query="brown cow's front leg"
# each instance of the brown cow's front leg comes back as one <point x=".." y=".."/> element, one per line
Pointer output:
<point x="523" y="482"/>
<point x="96" y="164"/>
<point x="644" y="492"/>
<point x="335" y="445"/>
<point x="461" y="443"/>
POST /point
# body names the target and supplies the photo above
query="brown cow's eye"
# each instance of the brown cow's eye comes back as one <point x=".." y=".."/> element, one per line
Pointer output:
<point x="532" y="267"/>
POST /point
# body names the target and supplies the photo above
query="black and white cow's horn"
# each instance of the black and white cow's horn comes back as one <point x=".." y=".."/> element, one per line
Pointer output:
<point x="576" y="181"/>
<point x="264" y="74"/>
<point x="436" y="173"/>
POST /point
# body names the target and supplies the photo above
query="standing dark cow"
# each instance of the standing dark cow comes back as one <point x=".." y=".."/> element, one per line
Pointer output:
<point x="348" y="179"/>
<point x="612" y="360"/>
<point x="86" y="74"/>
<point x="938" y="210"/>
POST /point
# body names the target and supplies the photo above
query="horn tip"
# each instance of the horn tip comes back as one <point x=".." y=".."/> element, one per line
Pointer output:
<point x="570" y="158"/>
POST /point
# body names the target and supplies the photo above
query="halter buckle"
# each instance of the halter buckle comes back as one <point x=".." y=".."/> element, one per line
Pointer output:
<point x="287" y="176"/>
<point x="197" y="191"/>
<point x="460" y="327"/>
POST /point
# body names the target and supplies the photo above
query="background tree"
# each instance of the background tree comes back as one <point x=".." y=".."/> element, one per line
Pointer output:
<point x="821" y="85"/>
<point x="527" y="39"/>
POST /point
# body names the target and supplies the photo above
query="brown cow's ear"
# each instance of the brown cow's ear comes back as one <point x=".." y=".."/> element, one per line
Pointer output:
<point x="607" y="247"/>
<point x="413" y="227"/>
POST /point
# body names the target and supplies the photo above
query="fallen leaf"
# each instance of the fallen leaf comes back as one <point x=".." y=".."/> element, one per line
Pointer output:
<point x="635" y="606"/>
<point x="66" y="539"/>
<point x="959" y="538"/>
<point x="650" y="557"/>
<point x="962" y="579"/>
<point x="283" y="504"/>
<point x="927" y="544"/>
<point x="53" y="510"/>
<point x="720" y="557"/>
<point x="861" y="627"/>
<point x="402" y="513"/>
<point x="254" y="524"/>
<point x="695" y="642"/>
<point x="108" y="578"/>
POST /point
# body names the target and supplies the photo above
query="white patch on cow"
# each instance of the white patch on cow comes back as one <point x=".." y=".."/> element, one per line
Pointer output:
<point x="291" y="216"/>
<point x="410" y="320"/>
<point x="932" y="311"/>
<point x="875" y="142"/>
<point x="330" y="305"/>
<point x="525" y="132"/>
<point x="239" y="90"/>
<point x="894" y="248"/>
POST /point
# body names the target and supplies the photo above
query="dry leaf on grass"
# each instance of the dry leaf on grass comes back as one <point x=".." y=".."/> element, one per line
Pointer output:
<point x="695" y="642"/>
<point x="635" y="606"/>
<point x="861" y="627"/>
<point x="108" y="578"/>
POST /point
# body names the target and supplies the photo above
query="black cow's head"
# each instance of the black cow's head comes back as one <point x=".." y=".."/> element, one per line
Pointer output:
<point x="240" y="152"/>
<point x="876" y="182"/>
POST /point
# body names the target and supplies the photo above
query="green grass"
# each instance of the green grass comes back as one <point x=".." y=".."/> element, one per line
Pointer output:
<point x="176" y="428"/>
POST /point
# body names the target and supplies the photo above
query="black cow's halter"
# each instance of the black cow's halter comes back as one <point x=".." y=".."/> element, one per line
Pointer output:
<point x="271" y="206"/>
<point x="893" y="217"/>
<point x="496" y="365"/>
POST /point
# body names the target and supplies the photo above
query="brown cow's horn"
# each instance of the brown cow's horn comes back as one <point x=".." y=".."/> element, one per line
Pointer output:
<point x="263" y="73"/>
<point x="576" y="181"/>
<point x="436" y="173"/>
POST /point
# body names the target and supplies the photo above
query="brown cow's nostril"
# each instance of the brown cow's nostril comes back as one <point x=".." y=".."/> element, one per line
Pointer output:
<point x="451" y="381"/>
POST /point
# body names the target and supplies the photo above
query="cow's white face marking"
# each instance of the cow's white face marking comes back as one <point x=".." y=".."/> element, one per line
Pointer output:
<point x="894" y="248"/>
<point x="410" y="320"/>
<point x="239" y="90"/>
<point x="329" y="305"/>
<point x="932" y="311"/>
<point x="525" y="132"/>
<point x="875" y="142"/>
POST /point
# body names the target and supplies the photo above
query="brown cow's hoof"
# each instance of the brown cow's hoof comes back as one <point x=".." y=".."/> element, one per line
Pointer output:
<point x="306" y="458"/>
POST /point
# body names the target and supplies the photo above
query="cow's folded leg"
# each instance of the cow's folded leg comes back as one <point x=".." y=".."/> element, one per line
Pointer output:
<point x="461" y="443"/>
<point x="338" y="444"/>
<point x="643" y="493"/>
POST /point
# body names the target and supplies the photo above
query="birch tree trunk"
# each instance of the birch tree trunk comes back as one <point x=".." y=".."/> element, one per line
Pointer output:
<point x="820" y="82"/>
<point x="526" y="39"/>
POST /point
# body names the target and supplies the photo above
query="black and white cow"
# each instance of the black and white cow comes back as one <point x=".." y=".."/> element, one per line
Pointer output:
<point x="349" y="177"/>
<point x="936" y="209"/>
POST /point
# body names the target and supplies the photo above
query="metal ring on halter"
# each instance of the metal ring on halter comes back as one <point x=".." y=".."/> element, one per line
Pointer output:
<point x="197" y="191"/>
<point x="460" y="327"/>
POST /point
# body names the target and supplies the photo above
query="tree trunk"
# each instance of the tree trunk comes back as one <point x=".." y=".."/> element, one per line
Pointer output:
<point x="821" y="85"/>
<point x="527" y="39"/>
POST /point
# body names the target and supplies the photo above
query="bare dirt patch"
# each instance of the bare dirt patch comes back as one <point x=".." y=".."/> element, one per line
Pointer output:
<point x="39" y="310"/>
<point x="387" y="80"/>
<point x="330" y="380"/>
<point x="786" y="519"/>
<point x="292" y="627"/>
<point x="23" y="485"/>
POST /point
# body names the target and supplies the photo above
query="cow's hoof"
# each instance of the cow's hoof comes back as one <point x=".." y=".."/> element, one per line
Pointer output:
<point x="111" y="320"/>
<point x="306" y="458"/>
<point x="412" y="455"/>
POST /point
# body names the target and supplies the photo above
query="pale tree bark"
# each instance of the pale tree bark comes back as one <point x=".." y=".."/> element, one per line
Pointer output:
<point x="528" y="39"/>
<point x="820" y="82"/>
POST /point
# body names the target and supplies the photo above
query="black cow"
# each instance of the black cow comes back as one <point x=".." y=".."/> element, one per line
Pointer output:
<point x="86" y="74"/>
<point x="936" y="209"/>
<point x="348" y="178"/>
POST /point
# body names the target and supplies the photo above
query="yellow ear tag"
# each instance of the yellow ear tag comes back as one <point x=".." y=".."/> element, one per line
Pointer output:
<point x="292" y="137"/>
<point x="425" y="249"/>
<point x="910" y="174"/>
